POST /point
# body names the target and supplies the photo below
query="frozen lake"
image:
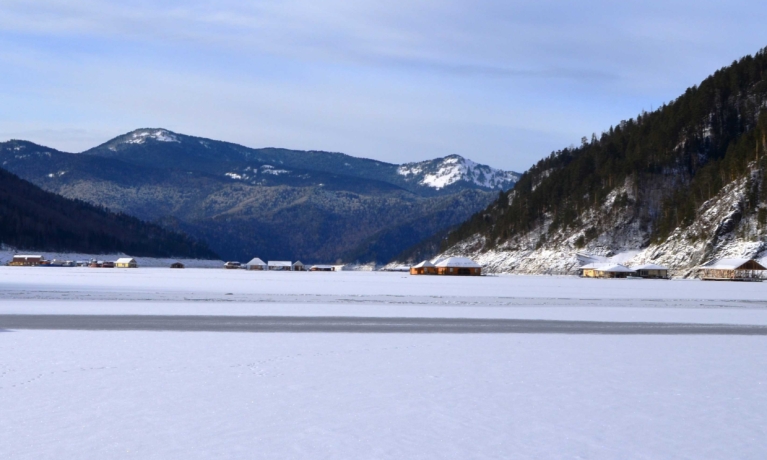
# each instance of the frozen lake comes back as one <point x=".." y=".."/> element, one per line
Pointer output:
<point x="187" y="392"/>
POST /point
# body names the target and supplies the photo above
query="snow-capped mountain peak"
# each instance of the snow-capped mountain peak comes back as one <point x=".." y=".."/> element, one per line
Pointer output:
<point x="442" y="172"/>
<point x="161" y="135"/>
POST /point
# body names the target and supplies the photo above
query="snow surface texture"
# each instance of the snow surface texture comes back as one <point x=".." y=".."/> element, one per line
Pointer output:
<point x="6" y="255"/>
<point x="539" y="252"/>
<point x="199" y="395"/>
<point x="439" y="174"/>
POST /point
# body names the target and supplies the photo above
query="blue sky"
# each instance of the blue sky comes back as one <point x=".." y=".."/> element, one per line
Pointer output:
<point x="502" y="83"/>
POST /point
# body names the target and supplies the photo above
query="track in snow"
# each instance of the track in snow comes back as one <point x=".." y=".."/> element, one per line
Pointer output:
<point x="302" y="324"/>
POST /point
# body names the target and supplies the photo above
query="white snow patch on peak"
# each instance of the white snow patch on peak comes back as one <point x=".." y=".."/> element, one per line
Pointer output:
<point x="161" y="135"/>
<point x="441" y="173"/>
<point x="234" y="176"/>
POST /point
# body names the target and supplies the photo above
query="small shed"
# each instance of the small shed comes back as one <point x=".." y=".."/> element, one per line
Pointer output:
<point x="280" y="265"/>
<point x="322" y="268"/>
<point x="176" y="265"/>
<point x="126" y="262"/>
<point x="232" y="265"/>
<point x="424" y="268"/>
<point x="298" y="266"/>
<point x="651" y="271"/>
<point x="459" y="266"/>
<point x="732" y="270"/>
<point x="605" y="270"/>
<point x="256" y="264"/>
<point x="23" y="260"/>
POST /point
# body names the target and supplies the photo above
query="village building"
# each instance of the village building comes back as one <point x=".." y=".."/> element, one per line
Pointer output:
<point x="21" y="260"/>
<point x="107" y="264"/>
<point x="176" y="265"/>
<point x="280" y="265"/>
<point x="322" y="268"/>
<point x="651" y="271"/>
<point x="424" y="268"/>
<point x="459" y="266"/>
<point x="732" y="270"/>
<point x="605" y="270"/>
<point x="298" y="266"/>
<point x="256" y="264"/>
<point x="231" y="265"/>
<point x="126" y="262"/>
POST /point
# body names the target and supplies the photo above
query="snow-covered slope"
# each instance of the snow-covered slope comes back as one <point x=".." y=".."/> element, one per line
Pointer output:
<point x="442" y="172"/>
<point x="722" y="229"/>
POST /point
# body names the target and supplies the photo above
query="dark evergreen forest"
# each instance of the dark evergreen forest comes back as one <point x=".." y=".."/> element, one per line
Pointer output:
<point x="31" y="218"/>
<point x="676" y="157"/>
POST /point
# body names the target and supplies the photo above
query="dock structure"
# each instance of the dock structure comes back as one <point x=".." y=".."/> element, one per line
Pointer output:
<point x="732" y="270"/>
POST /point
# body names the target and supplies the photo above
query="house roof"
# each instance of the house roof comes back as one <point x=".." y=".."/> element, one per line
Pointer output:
<point x="650" y="267"/>
<point x="298" y="262"/>
<point x="424" y="264"/>
<point x="25" y="256"/>
<point x="732" y="264"/>
<point x="322" y="267"/>
<point x="462" y="262"/>
<point x="607" y="267"/>
<point x="280" y="263"/>
<point x="256" y="261"/>
<point x="125" y="260"/>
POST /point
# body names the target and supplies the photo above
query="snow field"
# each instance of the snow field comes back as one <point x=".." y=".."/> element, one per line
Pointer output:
<point x="199" y="395"/>
<point x="203" y="395"/>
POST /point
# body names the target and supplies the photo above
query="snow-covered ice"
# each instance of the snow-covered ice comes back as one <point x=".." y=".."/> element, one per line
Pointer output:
<point x="189" y="395"/>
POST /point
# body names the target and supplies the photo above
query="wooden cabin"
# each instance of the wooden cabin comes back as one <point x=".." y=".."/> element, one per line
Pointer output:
<point x="20" y="260"/>
<point x="256" y="264"/>
<point x="424" y="268"/>
<point x="732" y="270"/>
<point x="280" y="265"/>
<point x="176" y="265"/>
<point x="651" y="271"/>
<point x="126" y="262"/>
<point x="298" y="266"/>
<point x="457" y="266"/>
<point x="322" y="268"/>
<point x="605" y="270"/>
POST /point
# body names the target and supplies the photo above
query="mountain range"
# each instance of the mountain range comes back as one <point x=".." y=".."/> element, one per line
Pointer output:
<point x="268" y="202"/>
<point x="678" y="186"/>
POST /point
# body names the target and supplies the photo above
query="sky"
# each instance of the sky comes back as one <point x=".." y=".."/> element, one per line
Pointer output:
<point x="501" y="82"/>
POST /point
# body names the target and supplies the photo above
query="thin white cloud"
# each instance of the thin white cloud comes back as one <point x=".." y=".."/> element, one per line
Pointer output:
<point x="502" y="82"/>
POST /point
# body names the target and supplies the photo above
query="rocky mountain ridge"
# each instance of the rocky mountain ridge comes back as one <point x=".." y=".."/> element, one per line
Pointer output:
<point x="273" y="203"/>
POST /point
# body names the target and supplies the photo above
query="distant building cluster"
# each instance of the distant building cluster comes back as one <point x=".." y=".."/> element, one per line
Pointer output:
<point x="715" y="270"/>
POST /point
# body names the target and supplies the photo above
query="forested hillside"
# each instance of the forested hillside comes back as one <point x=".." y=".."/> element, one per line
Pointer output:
<point x="658" y="179"/>
<point x="31" y="218"/>
<point x="271" y="203"/>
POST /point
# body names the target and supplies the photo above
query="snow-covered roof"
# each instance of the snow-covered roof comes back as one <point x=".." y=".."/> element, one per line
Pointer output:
<point x="731" y="264"/>
<point x="423" y="264"/>
<point x="256" y="261"/>
<point x="322" y="267"/>
<point x="650" y="267"/>
<point x="607" y="267"/>
<point x="298" y="262"/>
<point x="462" y="262"/>
<point x="125" y="260"/>
<point x="280" y="263"/>
<point x="24" y="256"/>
